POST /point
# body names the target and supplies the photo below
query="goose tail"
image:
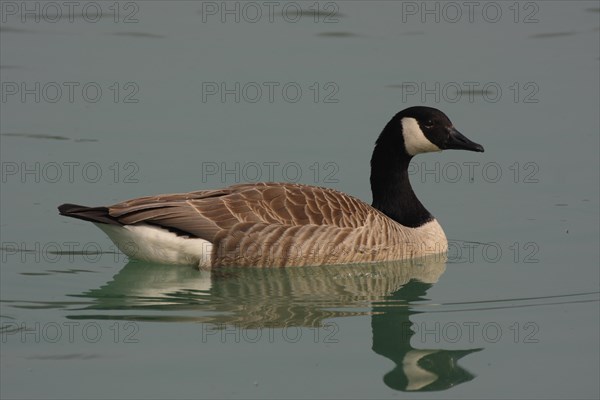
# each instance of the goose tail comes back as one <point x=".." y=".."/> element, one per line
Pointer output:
<point x="92" y="214"/>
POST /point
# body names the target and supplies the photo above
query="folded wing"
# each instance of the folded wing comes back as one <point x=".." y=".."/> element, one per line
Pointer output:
<point x="205" y="214"/>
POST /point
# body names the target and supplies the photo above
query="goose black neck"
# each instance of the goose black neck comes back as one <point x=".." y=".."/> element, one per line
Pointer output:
<point x="392" y="193"/>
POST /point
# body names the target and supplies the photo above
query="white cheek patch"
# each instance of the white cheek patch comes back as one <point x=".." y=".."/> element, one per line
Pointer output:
<point x="414" y="138"/>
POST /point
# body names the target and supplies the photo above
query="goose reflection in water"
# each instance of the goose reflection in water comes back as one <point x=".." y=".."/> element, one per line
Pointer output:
<point x="256" y="298"/>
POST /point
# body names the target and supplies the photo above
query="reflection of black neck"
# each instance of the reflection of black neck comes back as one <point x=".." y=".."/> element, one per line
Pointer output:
<point x="392" y="334"/>
<point x="392" y="193"/>
<point x="392" y="324"/>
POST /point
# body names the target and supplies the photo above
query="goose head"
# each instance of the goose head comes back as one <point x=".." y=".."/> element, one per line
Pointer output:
<point x="412" y="131"/>
<point x="424" y="129"/>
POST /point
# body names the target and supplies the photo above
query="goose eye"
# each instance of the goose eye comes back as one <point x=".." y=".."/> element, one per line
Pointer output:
<point x="428" y="124"/>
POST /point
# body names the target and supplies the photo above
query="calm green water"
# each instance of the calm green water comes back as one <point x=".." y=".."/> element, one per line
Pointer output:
<point x="148" y="97"/>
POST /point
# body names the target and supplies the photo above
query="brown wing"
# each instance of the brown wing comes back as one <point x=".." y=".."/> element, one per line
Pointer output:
<point x="205" y="213"/>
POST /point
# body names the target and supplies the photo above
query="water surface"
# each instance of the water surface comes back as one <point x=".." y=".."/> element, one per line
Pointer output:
<point x="171" y="96"/>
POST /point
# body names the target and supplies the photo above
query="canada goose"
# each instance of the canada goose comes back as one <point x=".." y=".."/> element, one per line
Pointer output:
<point x="283" y="224"/>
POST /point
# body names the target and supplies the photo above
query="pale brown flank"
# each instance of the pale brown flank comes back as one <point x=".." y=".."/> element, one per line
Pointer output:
<point x="280" y="224"/>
